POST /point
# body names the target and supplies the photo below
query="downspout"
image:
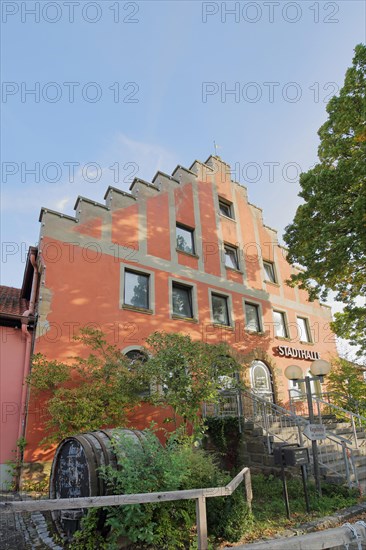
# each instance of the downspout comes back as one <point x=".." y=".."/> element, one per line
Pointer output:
<point x="28" y="347"/>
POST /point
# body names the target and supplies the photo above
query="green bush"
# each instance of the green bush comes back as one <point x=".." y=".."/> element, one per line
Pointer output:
<point x="151" y="468"/>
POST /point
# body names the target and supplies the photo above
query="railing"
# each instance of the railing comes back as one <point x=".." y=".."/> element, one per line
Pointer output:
<point x="334" y="453"/>
<point x="200" y="495"/>
<point x="351" y="417"/>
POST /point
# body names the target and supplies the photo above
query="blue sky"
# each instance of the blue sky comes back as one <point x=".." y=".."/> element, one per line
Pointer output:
<point x="170" y="63"/>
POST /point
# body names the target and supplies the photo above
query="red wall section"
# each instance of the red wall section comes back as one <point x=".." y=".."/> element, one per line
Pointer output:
<point x="158" y="231"/>
<point x="189" y="261"/>
<point x="250" y="248"/>
<point x="125" y="226"/>
<point x="184" y="205"/>
<point x="211" y="252"/>
<point x="228" y="228"/>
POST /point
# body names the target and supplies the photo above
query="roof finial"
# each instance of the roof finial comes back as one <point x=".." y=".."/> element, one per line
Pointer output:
<point x="216" y="147"/>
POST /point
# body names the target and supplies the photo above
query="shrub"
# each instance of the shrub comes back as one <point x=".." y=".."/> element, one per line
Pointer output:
<point x="177" y="466"/>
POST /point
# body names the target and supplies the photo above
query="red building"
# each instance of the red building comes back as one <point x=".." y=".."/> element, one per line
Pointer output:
<point x="17" y="307"/>
<point x="185" y="253"/>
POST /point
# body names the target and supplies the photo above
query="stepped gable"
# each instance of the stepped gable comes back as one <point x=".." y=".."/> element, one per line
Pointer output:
<point x="91" y="213"/>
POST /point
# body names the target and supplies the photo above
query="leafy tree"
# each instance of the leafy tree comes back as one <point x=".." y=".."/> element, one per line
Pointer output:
<point x="328" y="234"/>
<point x="348" y="386"/>
<point x="89" y="394"/>
<point x="186" y="373"/>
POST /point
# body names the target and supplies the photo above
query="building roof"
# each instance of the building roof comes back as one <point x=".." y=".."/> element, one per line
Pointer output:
<point x="11" y="302"/>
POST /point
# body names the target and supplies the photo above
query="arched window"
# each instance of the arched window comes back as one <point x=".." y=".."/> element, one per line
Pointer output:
<point x="261" y="380"/>
<point x="134" y="356"/>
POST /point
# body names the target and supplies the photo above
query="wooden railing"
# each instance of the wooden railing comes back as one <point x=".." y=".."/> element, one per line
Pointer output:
<point x="200" y="495"/>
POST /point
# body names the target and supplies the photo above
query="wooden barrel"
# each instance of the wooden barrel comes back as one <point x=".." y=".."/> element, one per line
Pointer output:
<point x="74" y="471"/>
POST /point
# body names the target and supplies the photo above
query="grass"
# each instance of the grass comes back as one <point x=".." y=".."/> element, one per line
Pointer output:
<point x="268" y="507"/>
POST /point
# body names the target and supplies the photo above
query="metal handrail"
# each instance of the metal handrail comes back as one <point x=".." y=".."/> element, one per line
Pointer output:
<point x="351" y="414"/>
<point x="301" y="422"/>
<point x="340" y="462"/>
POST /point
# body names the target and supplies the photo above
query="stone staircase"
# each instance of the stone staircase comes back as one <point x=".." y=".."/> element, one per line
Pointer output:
<point x="258" y="446"/>
<point x="342" y="455"/>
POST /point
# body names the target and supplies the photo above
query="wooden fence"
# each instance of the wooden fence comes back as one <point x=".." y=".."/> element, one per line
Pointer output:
<point x="200" y="495"/>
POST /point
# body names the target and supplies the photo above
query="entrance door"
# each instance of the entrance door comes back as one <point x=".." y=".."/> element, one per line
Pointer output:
<point x="261" y="380"/>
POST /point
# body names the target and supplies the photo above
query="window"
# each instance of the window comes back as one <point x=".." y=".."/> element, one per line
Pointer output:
<point x="185" y="241"/>
<point x="270" y="272"/>
<point x="136" y="356"/>
<point x="252" y="321"/>
<point x="136" y="289"/>
<point x="231" y="257"/>
<point x="226" y="208"/>
<point x="182" y="300"/>
<point x="220" y="310"/>
<point x="304" y="331"/>
<point x="280" y="325"/>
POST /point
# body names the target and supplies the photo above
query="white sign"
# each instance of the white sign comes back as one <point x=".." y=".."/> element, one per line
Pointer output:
<point x="286" y="351"/>
<point x="315" y="432"/>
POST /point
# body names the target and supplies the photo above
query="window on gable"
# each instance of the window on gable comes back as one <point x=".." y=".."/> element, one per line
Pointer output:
<point x="252" y="319"/>
<point x="226" y="208"/>
<point x="182" y="300"/>
<point x="231" y="257"/>
<point x="304" y="330"/>
<point x="184" y="239"/>
<point x="220" y="310"/>
<point x="270" y="272"/>
<point x="136" y="289"/>
<point x="280" y="325"/>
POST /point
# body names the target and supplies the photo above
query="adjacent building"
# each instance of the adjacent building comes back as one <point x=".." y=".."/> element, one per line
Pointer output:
<point x="187" y="253"/>
<point x="17" y="321"/>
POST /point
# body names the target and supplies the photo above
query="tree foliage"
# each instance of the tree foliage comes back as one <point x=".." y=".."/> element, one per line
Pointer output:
<point x="347" y="385"/>
<point x="89" y="394"/>
<point x="188" y="373"/>
<point x="328" y="234"/>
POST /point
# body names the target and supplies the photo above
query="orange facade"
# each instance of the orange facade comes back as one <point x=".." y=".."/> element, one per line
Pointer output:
<point x="204" y="263"/>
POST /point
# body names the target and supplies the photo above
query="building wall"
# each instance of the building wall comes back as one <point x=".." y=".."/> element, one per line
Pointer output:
<point x="84" y="259"/>
<point x="12" y="352"/>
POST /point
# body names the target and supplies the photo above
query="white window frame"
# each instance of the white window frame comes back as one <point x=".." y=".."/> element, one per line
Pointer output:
<point x="286" y="325"/>
<point x="229" y="305"/>
<point x="275" y="277"/>
<point x="193" y="287"/>
<point x="259" y="313"/>
<point x="189" y="230"/>
<point x="236" y="249"/>
<point x="308" y="335"/>
<point x="230" y="206"/>
<point x="151" y="290"/>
